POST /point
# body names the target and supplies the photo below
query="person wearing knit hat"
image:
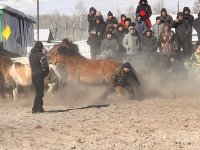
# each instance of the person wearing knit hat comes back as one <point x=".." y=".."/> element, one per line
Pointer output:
<point x="39" y="70"/>
<point x="157" y="27"/>
<point x="111" y="19"/>
<point x="91" y="18"/>
<point x="165" y="18"/>
<point x="123" y="17"/>
<point x="187" y="15"/>
<point x="123" y="76"/>
<point x="183" y="32"/>
<point x="196" y="25"/>
<point x="110" y="14"/>
<point x="95" y="37"/>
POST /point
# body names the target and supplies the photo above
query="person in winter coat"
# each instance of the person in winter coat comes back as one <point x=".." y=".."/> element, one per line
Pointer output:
<point x="144" y="9"/>
<point x="165" y="17"/>
<point x="123" y="18"/>
<point x="99" y="15"/>
<point x="194" y="63"/>
<point x="119" y="36"/>
<point x="157" y="28"/>
<point x="140" y="25"/>
<point x="196" y="25"/>
<point x="91" y="18"/>
<point x="100" y="28"/>
<point x="167" y="41"/>
<point x="123" y="76"/>
<point x="127" y="25"/>
<point x="95" y="43"/>
<point x="39" y="70"/>
<point x="131" y="41"/>
<point x="190" y="18"/>
<point x="149" y="42"/>
<point x="111" y="19"/>
<point x="183" y="32"/>
<point x="187" y="15"/>
<point x="110" y="44"/>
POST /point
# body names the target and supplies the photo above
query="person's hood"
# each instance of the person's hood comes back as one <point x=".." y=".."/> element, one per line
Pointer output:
<point x="144" y="1"/>
<point x="92" y="9"/>
<point x="186" y="9"/>
<point x="38" y="47"/>
<point x="123" y="15"/>
<point x="163" y="10"/>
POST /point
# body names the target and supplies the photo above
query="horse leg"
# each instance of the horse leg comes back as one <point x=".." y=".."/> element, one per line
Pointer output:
<point x="15" y="93"/>
<point x="118" y="89"/>
<point x="51" y="87"/>
<point x="15" y="88"/>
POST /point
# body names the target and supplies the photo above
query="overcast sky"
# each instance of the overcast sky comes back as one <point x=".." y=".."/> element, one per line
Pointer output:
<point x="67" y="6"/>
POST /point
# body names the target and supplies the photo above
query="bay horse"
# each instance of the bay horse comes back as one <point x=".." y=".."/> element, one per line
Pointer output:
<point x="79" y="68"/>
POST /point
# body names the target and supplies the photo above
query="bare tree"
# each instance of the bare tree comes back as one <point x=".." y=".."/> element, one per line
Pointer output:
<point x="196" y="8"/>
<point x="118" y="13"/>
<point x="130" y="12"/>
<point x="158" y="5"/>
<point x="80" y="19"/>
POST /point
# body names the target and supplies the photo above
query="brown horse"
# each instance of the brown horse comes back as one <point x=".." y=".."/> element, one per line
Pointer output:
<point x="79" y="68"/>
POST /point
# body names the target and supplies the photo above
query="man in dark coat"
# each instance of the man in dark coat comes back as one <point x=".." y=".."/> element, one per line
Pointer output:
<point x="109" y="47"/>
<point x="183" y="33"/>
<point x="165" y="17"/>
<point x="95" y="43"/>
<point x="91" y="18"/>
<point x="149" y="42"/>
<point x="187" y="15"/>
<point x="196" y="25"/>
<point x="39" y="70"/>
<point x="122" y="76"/>
<point x="111" y="19"/>
<point x="119" y="36"/>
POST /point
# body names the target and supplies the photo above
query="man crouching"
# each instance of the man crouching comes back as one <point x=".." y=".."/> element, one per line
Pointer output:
<point x="123" y="76"/>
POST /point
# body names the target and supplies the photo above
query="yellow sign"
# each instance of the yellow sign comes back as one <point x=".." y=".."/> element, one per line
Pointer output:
<point x="7" y="32"/>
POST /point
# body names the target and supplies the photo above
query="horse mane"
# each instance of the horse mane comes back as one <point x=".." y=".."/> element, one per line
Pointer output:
<point x="4" y="52"/>
<point x="68" y="48"/>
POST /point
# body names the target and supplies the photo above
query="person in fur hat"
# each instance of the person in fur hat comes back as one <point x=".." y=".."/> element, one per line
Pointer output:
<point x="187" y="15"/>
<point x="183" y="33"/>
<point x="149" y="42"/>
<point x="109" y="43"/>
<point x="165" y="17"/>
<point x="91" y="18"/>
